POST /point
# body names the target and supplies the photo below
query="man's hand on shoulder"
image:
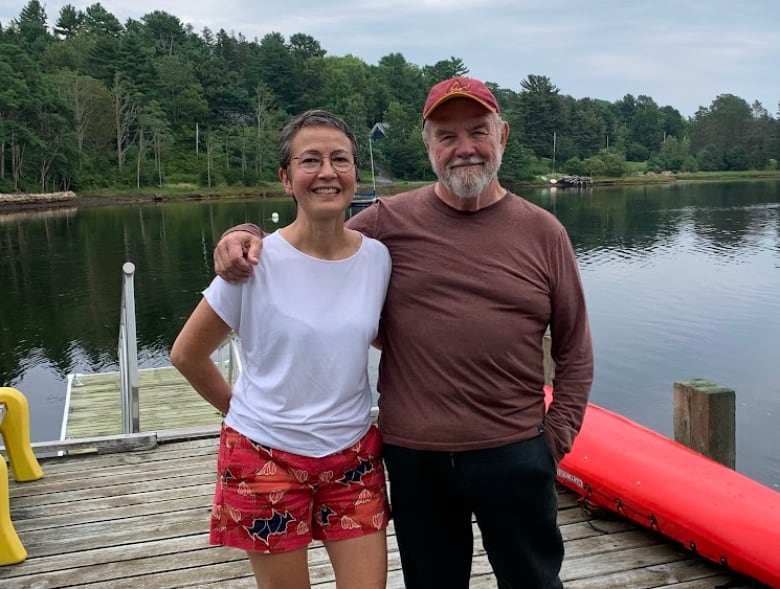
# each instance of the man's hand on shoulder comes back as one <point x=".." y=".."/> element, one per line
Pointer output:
<point x="236" y="255"/>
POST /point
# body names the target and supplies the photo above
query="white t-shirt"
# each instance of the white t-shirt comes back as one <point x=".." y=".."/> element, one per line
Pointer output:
<point x="305" y="326"/>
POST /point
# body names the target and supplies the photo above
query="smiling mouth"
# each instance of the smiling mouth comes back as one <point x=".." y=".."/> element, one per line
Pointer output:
<point x="466" y="165"/>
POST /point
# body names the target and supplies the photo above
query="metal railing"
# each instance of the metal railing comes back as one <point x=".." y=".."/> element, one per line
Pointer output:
<point x="127" y="352"/>
<point x="227" y="356"/>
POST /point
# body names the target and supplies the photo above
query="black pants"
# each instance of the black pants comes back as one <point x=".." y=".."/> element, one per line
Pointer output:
<point x="510" y="490"/>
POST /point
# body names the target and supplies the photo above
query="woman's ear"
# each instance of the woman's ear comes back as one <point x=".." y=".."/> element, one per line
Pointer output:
<point x="285" y="180"/>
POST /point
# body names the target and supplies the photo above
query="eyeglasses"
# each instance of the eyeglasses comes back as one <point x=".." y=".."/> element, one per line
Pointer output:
<point x="311" y="163"/>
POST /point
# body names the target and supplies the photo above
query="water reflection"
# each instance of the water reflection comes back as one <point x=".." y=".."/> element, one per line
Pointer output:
<point x="37" y="214"/>
<point x="681" y="281"/>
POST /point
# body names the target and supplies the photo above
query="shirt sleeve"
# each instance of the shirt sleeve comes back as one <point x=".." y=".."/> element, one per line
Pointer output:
<point x="572" y="351"/>
<point x="250" y="227"/>
<point x="226" y="300"/>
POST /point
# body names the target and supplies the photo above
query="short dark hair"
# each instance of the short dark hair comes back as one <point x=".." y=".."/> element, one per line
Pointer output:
<point x="313" y="118"/>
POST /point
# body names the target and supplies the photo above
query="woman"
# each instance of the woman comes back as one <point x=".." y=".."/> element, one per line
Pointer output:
<point x="298" y="456"/>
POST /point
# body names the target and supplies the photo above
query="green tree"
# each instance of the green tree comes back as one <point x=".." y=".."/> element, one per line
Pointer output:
<point x="136" y="59"/>
<point x="646" y="125"/>
<point x="90" y="106"/>
<point x="266" y="116"/>
<point x="164" y="31"/>
<point x="104" y="33"/>
<point x="152" y="131"/>
<point x="725" y="124"/>
<point x="32" y="28"/>
<point x="346" y="90"/>
<point x="674" y="153"/>
<point x="14" y="99"/>
<point x="276" y="67"/>
<point x="737" y="158"/>
<point x="19" y="99"/>
<point x="710" y="158"/>
<point x="518" y="162"/>
<point x="607" y="163"/>
<point x="305" y="47"/>
<point x="180" y="91"/>
<point x="53" y="137"/>
<point x="126" y="105"/>
<point x="69" y="21"/>
<point x="99" y="21"/>
<point x="403" y="147"/>
<point x="674" y="123"/>
<point x="442" y="70"/>
<point x="585" y="129"/>
<point x="402" y="81"/>
<point x="224" y="90"/>
<point x="541" y="114"/>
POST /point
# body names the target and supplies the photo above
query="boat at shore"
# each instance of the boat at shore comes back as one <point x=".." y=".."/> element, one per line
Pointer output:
<point x="362" y="200"/>
<point x="710" y="509"/>
<point x="572" y="181"/>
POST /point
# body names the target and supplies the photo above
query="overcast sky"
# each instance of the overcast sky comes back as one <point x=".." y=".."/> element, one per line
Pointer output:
<point x="682" y="53"/>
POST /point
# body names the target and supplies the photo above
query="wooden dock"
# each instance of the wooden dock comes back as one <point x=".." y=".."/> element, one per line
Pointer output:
<point x="140" y="519"/>
<point x="166" y="401"/>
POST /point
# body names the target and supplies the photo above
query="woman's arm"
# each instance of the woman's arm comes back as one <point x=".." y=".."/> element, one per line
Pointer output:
<point x="191" y="353"/>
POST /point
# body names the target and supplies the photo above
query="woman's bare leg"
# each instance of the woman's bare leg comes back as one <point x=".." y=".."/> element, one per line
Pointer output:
<point x="360" y="563"/>
<point x="285" y="570"/>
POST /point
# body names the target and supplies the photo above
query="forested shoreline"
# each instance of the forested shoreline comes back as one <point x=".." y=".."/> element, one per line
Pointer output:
<point x="90" y="104"/>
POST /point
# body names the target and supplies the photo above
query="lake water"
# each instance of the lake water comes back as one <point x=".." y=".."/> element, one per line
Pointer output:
<point x="682" y="282"/>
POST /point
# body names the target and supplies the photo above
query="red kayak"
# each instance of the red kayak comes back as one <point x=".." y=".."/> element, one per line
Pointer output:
<point x="712" y="510"/>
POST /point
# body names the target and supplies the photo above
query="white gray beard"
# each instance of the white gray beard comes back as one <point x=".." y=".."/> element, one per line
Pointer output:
<point x="466" y="184"/>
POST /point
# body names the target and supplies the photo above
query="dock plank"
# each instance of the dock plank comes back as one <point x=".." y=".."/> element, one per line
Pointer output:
<point x="140" y="519"/>
<point x="165" y="401"/>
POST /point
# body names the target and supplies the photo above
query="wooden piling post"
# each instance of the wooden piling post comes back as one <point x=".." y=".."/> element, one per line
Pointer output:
<point x="705" y="419"/>
<point x="549" y="365"/>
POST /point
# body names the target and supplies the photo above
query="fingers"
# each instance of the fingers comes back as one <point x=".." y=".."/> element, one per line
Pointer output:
<point x="236" y="255"/>
<point x="253" y="252"/>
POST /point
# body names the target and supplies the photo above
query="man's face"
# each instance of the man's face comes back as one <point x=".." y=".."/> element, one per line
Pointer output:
<point x="465" y="144"/>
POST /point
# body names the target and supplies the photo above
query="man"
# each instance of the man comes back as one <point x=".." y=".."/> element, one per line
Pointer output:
<point x="478" y="274"/>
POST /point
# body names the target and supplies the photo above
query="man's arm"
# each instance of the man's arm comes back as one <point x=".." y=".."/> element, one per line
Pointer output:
<point x="238" y="252"/>
<point x="572" y="352"/>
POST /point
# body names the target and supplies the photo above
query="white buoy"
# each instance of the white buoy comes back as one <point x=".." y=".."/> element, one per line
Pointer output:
<point x="275" y="217"/>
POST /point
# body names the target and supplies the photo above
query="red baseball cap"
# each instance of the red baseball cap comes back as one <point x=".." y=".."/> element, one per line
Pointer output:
<point x="459" y="87"/>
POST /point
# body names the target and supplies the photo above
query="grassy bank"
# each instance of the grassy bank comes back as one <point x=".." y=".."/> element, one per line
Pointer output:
<point x="170" y="192"/>
<point x="173" y="192"/>
<point x="274" y="189"/>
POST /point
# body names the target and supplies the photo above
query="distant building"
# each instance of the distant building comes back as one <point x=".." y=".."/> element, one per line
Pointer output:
<point x="378" y="131"/>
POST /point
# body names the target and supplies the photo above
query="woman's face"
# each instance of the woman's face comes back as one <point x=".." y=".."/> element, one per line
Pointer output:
<point x="321" y="175"/>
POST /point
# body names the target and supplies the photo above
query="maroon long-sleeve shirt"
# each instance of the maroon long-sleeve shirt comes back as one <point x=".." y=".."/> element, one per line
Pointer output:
<point x="470" y="297"/>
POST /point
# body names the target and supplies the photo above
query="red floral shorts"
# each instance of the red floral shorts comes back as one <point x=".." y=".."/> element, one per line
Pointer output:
<point x="270" y="501"/>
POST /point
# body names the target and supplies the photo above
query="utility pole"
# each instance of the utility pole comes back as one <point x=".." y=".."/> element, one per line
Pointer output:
<point x="371" y="155"/>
